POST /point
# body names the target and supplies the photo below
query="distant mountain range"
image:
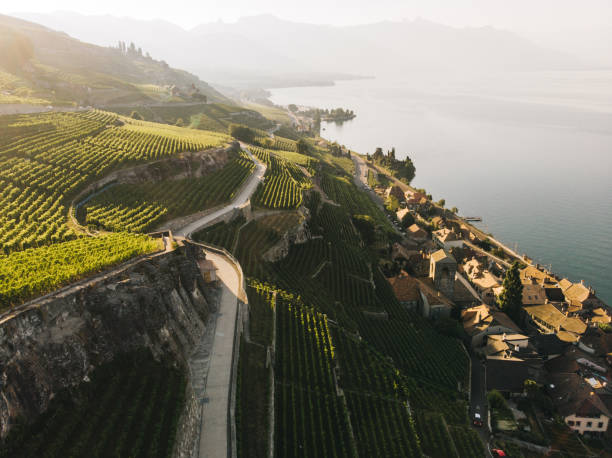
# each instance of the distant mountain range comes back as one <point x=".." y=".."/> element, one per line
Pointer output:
<point x="41" y="66"/>
<point x="266" y="50"/>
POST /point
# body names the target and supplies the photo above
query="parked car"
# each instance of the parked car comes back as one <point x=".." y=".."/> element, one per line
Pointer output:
<point x="498" y="452"/>
<point x="477" y="417"/>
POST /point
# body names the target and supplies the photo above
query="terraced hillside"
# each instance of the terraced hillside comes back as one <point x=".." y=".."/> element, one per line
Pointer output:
<point x="45" y="161"/>
<point x="330" y="355"/>
<point x="354" y="373"/>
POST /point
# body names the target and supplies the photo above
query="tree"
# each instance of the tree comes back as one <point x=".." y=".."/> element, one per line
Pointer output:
<point x="240" y="132"/>
<point x="136" y="115"/>
<point x="392" y="203"/>
<point x="293" y="107"/>
<point x="407" y="220"/>
<point x="455" y="210"/>
<point x="302" y="146"/>
<point x="511" y="297"/>
<point x="180" y="122"/>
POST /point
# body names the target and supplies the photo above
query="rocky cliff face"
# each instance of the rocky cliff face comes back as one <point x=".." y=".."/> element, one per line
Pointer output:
<point x="294" y="236"/>
<point x="160" y="303"/>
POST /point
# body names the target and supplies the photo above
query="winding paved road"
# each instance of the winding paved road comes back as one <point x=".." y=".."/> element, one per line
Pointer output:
<point x="214" y="361"/>
<point x="242" y="198"/>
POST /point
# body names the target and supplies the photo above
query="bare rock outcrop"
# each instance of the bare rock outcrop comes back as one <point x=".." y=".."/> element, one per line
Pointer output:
<point x="294" y="236"/>
<point x="161" y="303"/>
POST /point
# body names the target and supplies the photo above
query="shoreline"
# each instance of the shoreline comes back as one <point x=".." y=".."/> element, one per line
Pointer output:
<point x="522" y="258"/>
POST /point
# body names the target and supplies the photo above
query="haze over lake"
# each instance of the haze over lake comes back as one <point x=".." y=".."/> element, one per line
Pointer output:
<point x="531" y="153"/>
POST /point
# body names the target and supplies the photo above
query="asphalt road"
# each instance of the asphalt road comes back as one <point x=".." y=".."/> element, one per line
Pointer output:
<point x="478" y="400"/>
<point x="243" y="196"/>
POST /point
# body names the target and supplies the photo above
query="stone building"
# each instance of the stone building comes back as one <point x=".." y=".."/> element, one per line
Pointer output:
<point x="442" y="270"/>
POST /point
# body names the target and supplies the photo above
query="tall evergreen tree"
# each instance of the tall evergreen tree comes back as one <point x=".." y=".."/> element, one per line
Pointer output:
<point x="511" y="297"/>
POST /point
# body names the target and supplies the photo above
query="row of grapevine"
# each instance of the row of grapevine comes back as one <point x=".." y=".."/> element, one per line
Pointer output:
<point x="24" y="274"/>
<point x="131" y="407"/>
<point x="434" y="434"/>
<point x="310" y="418"/>
<point x="336" y="224"/>
<point x="341" y="189"/>
<point x="141" y="207"/>
<point x="30" y="134"/>
<point x="254" y="240"/>
<point x="382" y="428"/>
<point x="221" y="234"/>
<point x="419" y="350"/>
<point x="262" y="300"/>
<point x="139" y="140"/>
<point x="46" y="158"/>
<point x="276" y="143"/>
<point x="467" y="441"/>
<point x="283" y="183"/>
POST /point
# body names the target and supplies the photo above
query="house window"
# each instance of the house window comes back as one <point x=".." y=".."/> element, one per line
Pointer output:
<point x="577" y="423"/>
<point x="570" y="422"/>
<point x="529" y="297"/>
<point x="600" y="424"/>
<point x="589" y="424"/>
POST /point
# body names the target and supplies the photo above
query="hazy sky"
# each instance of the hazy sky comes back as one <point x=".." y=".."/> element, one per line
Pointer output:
<point x="517" y="15"/>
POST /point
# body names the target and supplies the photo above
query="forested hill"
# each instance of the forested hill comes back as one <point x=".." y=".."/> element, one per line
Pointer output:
<point x="42" y="66"/>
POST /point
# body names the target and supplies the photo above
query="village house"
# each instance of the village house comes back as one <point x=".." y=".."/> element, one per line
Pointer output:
<point x="402" y="213"/>
<point x="582" y="297"/>
<point x="447" y="238"/>
<point x="438" y="222"/>
<point x="404" y="251"/>
<point x="533" y="294"/>
<point x="547" y="319"/>
<point x="533" y="275"/>
<point x="481" y="321"/>
<point x="406" y="289"/>
<point x="416" y="201"/>
<point x="507" y="374"/>
<point x="396" y="192"/>
<point x="483" y="280"/>
<point x="578" y="401"/>
<point x="434" y="304"/>
<point x="442" y="270"/>
<point x="416" y="233"/>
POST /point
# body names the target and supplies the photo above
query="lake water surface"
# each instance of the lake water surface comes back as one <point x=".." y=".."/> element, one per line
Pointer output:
<point x="530" y="153"/>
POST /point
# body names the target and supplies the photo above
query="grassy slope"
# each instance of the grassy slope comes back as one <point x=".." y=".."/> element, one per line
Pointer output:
<point x="61" y="69"/>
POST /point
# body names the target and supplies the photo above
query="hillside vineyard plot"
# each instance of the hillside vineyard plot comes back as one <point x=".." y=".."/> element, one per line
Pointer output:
<point x="310" y="418"/>
<point x="283" y="183"/>
<point x="27" y="273"/>
<point x="131" y="407"/>
<point x="140" y="207"/>
<point x="45" y="159"/>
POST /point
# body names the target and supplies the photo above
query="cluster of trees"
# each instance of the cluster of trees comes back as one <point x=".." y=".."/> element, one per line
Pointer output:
<point x="338" y="150"/>
<point x="242" y="133"/>
<point x="131" y="50"/>
<point x="402" y="169"/>
<point x="335" y="114"/>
